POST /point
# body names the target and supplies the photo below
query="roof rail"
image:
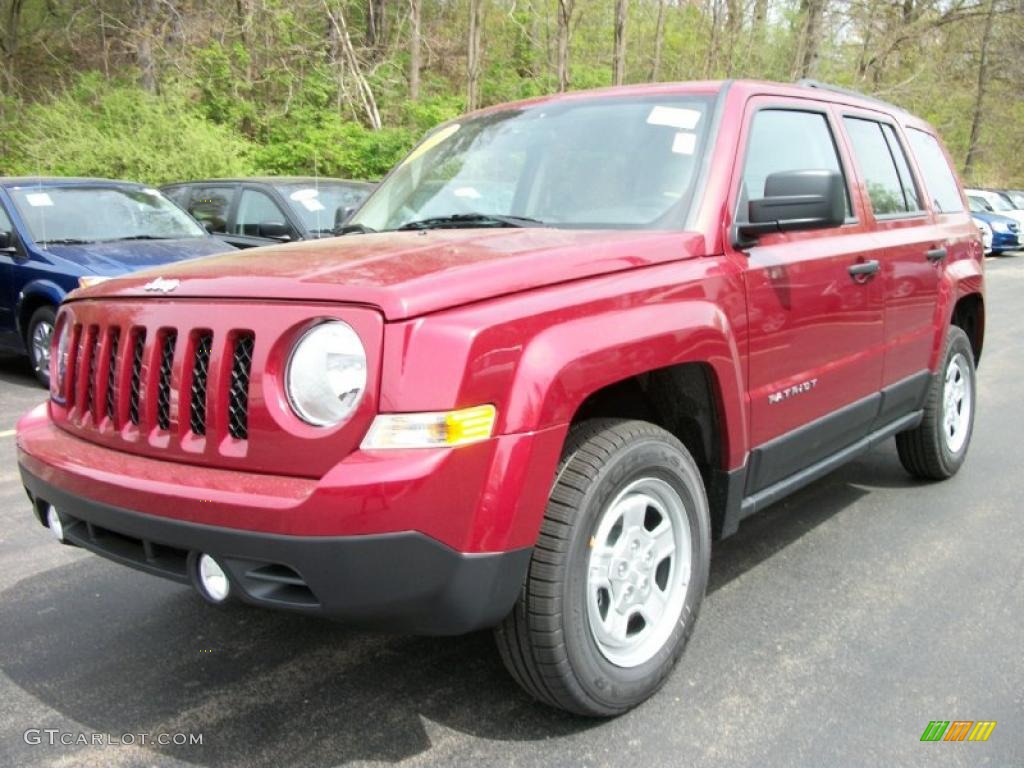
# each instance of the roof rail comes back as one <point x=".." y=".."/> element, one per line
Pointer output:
<point x="809" y="83"/>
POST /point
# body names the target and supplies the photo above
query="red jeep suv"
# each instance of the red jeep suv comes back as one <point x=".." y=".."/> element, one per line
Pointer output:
<point x="565" y="344"/>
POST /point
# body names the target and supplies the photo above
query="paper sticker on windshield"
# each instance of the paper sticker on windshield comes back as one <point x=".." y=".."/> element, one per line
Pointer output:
<point x="307" y="198"/>
<point x="674" y="117"/>
<point x="684" y="143"/>
<point x="430" y="142"/>
<point x="151" y="191"/>
<point x="38" y="199"/>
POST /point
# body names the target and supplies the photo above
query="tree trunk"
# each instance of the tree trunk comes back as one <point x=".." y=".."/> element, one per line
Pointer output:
<point x="9" y="43"/>
<point x="346" y="53"/>
<point x="376" y="24"/>
<point x="733" y="27"/>
<point x="659" y="41"/>
<point x="415" y="20"/>
<point x="811" y="13"/>
<point x="565" y="12"/>
<point x="973" y="149"/>
<point x="619" y="53"/>
<point x="473" y="54"/>
<point x="145" y="13"/>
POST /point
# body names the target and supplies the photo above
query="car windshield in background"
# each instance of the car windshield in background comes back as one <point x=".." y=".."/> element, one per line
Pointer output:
<point x="1017" y="198"/>
<point x="608" y="163"/>
<point x="998" y="203"/>
<point x="87" y="214"/>
<point x="318" y="204"/>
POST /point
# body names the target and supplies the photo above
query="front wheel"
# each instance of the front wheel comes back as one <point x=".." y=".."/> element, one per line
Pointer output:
<point x="618" y="573"/>
<point x="37" y="338"/>
<point x="937" y="448"/>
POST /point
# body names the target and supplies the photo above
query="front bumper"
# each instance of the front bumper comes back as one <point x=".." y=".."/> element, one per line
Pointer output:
<point x="1003" y="241"/>
<point x="433" y="541"/>
<point x="404" y="582"/>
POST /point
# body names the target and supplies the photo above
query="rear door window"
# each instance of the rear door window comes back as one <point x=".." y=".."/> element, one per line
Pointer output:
<point x="938" y="176"/>
<point x="786" y="140"/>
<point x="883" y="167"/>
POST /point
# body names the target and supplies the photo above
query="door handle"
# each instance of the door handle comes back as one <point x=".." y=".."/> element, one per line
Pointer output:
<point x="935" y="255"/>
<point x="863" y="271"/>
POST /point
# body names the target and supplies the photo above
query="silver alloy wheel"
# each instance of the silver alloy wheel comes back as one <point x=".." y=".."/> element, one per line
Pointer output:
<point x="957" y="401"/>
<point x="638" y="573"/>
<point x="41" y="336"/>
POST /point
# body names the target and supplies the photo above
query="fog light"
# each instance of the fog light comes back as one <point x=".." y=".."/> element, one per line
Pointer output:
<point x="212" y="579"/>
<point x="54" y="523"/>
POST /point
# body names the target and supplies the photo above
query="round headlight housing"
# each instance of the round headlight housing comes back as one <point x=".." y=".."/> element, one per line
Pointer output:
<point x="326" y="374"/>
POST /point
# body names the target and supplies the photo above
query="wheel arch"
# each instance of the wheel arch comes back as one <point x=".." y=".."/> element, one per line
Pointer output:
<point x="38" y="293"/>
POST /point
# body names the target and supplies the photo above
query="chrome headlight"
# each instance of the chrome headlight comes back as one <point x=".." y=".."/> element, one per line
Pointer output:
<point x="326" y="374"/>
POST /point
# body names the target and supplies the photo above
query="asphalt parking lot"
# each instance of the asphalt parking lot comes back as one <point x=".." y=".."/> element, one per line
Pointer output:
<point x="837" y="625"/>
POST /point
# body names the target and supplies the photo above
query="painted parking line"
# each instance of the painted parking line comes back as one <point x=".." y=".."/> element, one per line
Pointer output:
<point x="7" y="433"/>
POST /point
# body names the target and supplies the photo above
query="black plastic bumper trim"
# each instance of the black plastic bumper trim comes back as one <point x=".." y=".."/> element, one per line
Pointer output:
<point x="404" y="582"/>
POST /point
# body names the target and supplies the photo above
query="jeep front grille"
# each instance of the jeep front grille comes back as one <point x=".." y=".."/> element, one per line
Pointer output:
<point x="95" y="385"/>
<point x="200" y="373"/>
<point x="238" y="394"/>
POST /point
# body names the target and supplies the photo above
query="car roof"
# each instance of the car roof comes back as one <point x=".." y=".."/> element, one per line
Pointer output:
<point x="275" y="180"/>
<point x="66" y="181"/>
<point x="743" y="89"/>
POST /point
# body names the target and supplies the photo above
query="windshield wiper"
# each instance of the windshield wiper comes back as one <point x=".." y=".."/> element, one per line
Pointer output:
<point x="353" y="229"/>
<point x="467" y="220"/>
<point x="139" y="237"/>
<point x="67" y="241"/>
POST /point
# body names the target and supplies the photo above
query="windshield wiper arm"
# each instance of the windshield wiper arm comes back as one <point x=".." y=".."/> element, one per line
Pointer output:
<point x="459" y="220"/>
<point x="138" y="237"/>
<point x="352" y="229"/>
<point x="67" y="241"/>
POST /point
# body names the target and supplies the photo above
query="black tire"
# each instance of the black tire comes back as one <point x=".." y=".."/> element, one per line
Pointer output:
<point x="40" y="367"/>
<point x="546" y="641"/>
<point x="924" y="451"/>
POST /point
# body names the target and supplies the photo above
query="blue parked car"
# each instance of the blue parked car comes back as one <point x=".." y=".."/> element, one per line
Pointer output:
<point x="999" y="233"/>
<point x="56" y="232"/>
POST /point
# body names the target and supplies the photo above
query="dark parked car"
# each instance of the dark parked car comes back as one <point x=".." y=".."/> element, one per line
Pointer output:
<point x="56" y="233"/>
<point x="265" y="210"/>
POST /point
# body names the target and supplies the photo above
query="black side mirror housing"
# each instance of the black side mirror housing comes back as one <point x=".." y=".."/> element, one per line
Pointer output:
<point x="6" y="242"/>
<point x="276" y="230"/>
<point x="341" y="216"/>
<point x="794" y="201"/>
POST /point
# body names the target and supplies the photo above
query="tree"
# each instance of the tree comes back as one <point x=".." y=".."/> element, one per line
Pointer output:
<point x="619" y="53"/>
<point x="473" y="54"/>
<point x="659" y="41"/>
<point x="565" y="19"/>
<point x="811" y="14"/>
<point x="415" y="63"/>
<point x="979" y="93"/>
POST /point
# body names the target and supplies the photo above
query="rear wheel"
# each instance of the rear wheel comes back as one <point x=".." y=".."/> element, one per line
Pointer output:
<point x="37" y="339"/>
<point x="618" y="574"/>
<point x="937" y="448"/>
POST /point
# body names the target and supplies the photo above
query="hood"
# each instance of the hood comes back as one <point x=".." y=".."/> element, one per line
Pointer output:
<point x="406" y="274"/>
<point x="990" y="218"/>
<point x="118" y="257"/>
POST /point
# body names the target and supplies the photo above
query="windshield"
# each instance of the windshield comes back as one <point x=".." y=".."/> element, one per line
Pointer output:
<point x="977" y="205"/>
<point x="1017" y="198"/>
<point x="318" y="203"/>
<point x="609" y="163"/>
<point x="998" y="202"/>
<point x="94" y="214"/>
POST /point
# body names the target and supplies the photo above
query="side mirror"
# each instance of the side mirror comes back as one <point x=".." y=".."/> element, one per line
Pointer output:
<point x="276" y="230"/>
<point x="341" y="216"/>
<point x="6" y="242"/>
<point x="794" y="201"/>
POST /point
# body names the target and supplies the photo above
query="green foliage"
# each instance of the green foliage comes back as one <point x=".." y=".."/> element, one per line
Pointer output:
<point x="101" y="128"/>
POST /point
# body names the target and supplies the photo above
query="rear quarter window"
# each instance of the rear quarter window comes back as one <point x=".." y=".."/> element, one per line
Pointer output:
<point x="939" y="179"/>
